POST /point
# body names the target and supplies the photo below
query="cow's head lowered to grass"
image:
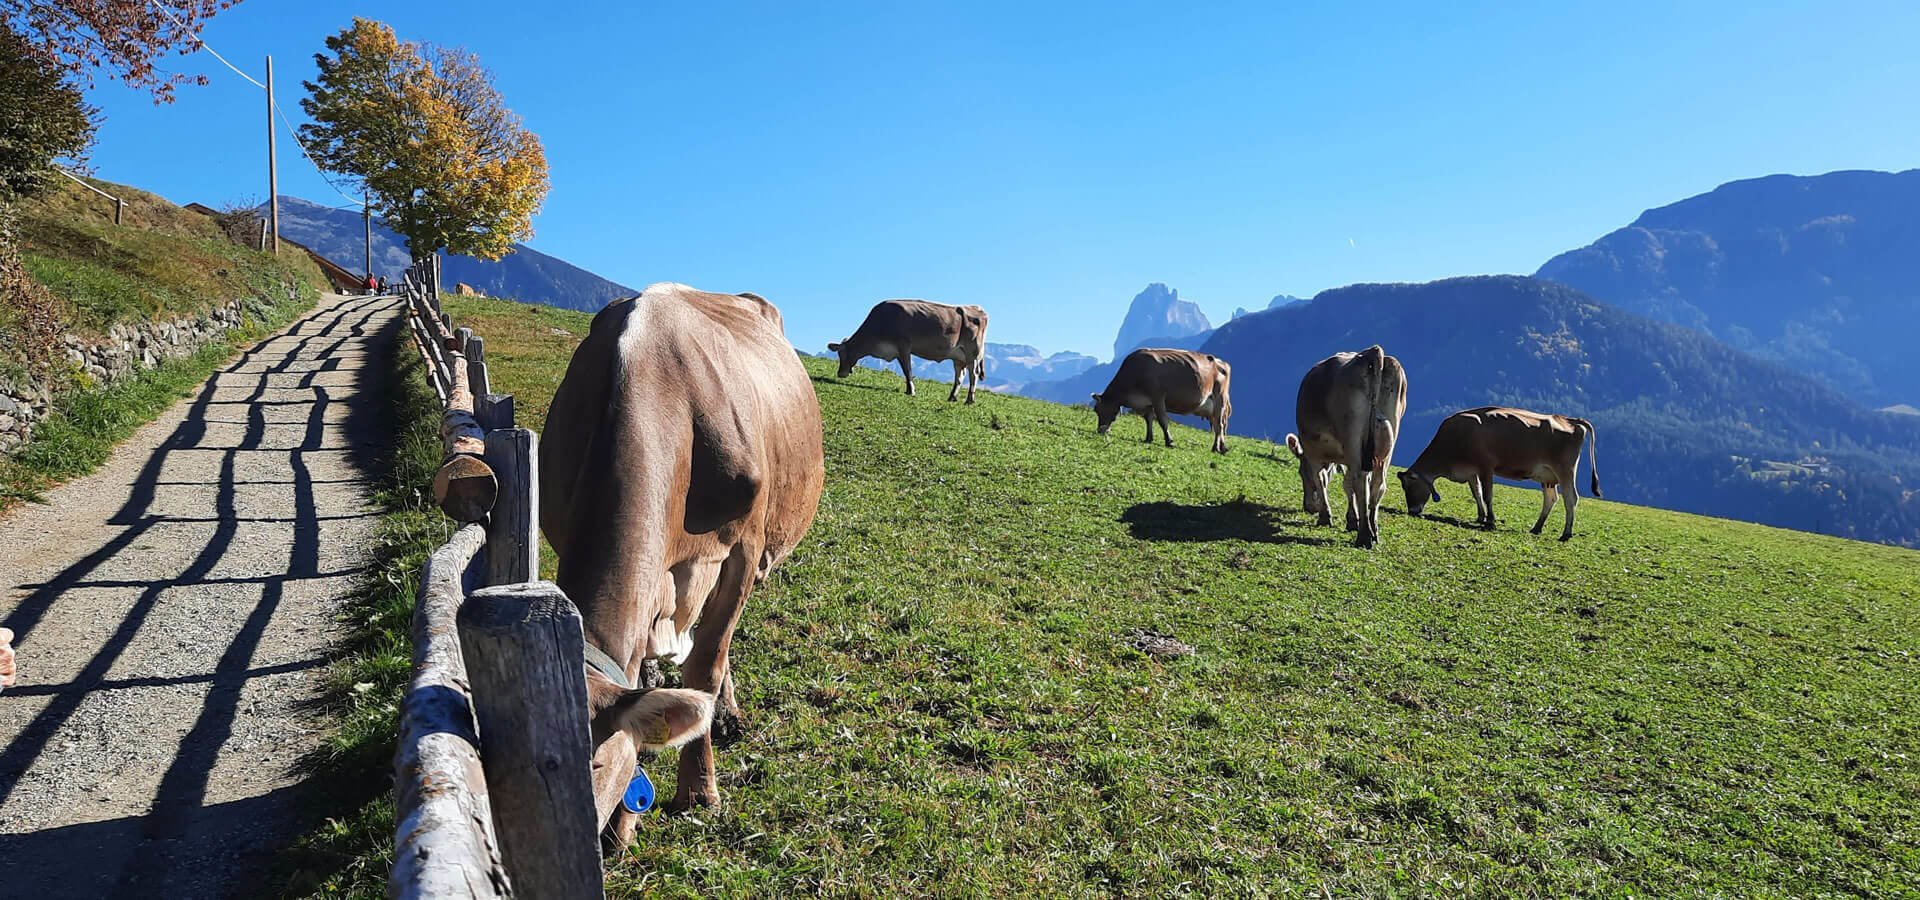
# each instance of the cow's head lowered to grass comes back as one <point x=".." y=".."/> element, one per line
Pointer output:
<point x="1106" y="409"/>
<point x="1420" y="491"/>
<point x="1313" y="482"/>
<point x="849" y="357"/>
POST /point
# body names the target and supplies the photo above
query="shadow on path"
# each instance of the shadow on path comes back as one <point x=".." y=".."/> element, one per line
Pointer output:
<point x="168" y="851"/>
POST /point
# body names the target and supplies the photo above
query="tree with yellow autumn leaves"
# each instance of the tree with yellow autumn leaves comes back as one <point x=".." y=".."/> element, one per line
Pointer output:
<point x="423" y="128"/>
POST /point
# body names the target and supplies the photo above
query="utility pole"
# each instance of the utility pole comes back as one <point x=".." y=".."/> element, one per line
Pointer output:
<point x="273" y="167"/>
<point x="366" y="218"/>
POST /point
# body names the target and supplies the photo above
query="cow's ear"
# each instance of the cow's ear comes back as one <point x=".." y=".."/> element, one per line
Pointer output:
<point x="657" y="718"/>
<point x="833" y="347"/>
<point x="1096" y="399"/>
<point x="1434" y="487"/>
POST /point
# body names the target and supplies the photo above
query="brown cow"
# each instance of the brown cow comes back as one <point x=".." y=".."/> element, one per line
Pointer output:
<point x="1348" y="411"/>
<point x="1474" y="445"/>
<point x="1155" y="382"/>
<point x="681" y="463"/>
<point x="903" y="329"/>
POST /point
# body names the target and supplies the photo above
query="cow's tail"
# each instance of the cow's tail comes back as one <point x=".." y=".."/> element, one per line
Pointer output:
<point x="1593" y="455"/>
<point x="1369" y="443"/>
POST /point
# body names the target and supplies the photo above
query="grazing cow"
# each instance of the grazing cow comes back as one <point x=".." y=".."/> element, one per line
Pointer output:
<point x="1474" y="445"/>
<point x="1348" y="412"/>
<point x="903" y="329"/>
<point x="681" y="463"/>
<point x="1156" y="382"/>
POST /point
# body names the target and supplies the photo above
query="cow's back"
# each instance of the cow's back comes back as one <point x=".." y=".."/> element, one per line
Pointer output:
<point x="683" y="412"/>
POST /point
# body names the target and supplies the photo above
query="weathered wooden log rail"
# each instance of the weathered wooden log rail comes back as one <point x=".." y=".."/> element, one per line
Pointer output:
<point x="513" y="816"/>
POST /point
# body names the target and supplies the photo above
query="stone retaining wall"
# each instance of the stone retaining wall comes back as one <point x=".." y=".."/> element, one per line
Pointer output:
<point x="92" y="362"/>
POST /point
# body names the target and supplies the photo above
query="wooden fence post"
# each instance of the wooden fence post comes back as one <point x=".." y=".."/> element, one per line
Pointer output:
<point x="513" y="532"/>
<point x="522" y="645"/>
<point x="495" y="411"/>
<point x="477" y="365"/>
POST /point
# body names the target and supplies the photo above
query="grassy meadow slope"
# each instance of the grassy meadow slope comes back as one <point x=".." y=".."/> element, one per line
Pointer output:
<point x="946" y="692"/>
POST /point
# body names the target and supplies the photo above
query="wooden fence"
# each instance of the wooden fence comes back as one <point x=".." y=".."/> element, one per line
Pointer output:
<point x="492" y="781"/>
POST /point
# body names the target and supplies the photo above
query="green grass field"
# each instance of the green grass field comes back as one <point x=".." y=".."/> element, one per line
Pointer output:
<point x="946" y="695"/>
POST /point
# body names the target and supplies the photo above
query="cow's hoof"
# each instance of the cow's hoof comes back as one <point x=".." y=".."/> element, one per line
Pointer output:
<point x="1567" y="537"/>
<point x="1534" y="530"/>
<point x="1169" y="443"/>
<point x="1324" y="520"/>
<point x="1486" y="526"/>
<point x="728" y="728"/>
<point x="692" y="802"/>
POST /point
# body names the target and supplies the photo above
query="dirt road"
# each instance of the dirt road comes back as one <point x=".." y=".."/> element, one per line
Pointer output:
<point x="174" y="610"/>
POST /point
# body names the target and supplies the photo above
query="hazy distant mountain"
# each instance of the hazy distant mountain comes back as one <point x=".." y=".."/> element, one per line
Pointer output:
<point x="1821" y="273"/>
<point x="525" y="274"/>
<point x="1157" y="316"/>
<point x="1010" y="366"/>
<point x="1684" y="421"/>
<point x="1280" y="300"/>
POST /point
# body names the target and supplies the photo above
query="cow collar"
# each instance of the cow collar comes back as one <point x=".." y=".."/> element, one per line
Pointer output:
<point x="599" y="661"/>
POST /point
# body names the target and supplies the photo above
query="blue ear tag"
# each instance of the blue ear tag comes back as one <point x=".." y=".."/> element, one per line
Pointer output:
<point x="639" y="796"/>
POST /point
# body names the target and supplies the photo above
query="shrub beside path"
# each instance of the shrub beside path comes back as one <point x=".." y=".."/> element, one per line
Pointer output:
<point x="173" y="612"/>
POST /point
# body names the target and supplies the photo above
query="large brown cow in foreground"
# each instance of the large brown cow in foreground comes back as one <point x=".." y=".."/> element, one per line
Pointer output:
<point x="1474" y="445"/>
<point x="1155" y="382"/>
<point x="681" y="463"/>
<point x="903" y="329"/>
<point x="1348" y="412"/>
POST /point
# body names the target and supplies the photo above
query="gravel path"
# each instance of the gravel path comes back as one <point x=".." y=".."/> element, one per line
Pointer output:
<point x="174" y="610"/>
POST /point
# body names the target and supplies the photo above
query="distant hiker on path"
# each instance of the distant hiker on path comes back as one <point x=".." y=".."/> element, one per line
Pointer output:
<point x="373" y="284"/>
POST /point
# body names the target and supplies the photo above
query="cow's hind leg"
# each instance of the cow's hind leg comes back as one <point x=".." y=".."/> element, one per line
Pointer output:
<point x="1485" y="482"/>
<point x="1160" y="412"/>
<point x="1146" y="415"/>
<point x="973" y="379"/>
<point x="707" y="669"/>
<point x="1547" y="493"/>
<point x="1573" y="500"/>
<point x="1376" y="489"/>
<point x="954" y="394"/>
<point x="906" y="371"/>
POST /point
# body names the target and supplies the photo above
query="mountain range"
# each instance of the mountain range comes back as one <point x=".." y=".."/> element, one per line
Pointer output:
<point x="1685" y="421"/>
<point x="1821" y="273"/>
<point x="524" y="274"/>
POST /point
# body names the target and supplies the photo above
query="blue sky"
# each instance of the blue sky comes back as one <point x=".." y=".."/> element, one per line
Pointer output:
<point x="1048" y="160"/>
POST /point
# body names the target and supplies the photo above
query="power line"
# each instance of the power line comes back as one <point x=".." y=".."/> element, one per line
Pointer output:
<point x="291" y="131"/>
<point x="206" y="46"/>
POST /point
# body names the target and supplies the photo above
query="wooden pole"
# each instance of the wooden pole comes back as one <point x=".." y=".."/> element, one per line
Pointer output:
<point x="366" y="220"/>
<point x="444" y="836"/>
<point x="523" y="649"/>
<point x="465" y="486"/>
<point x="513" y="531"/>
<point x="273" y="166"/>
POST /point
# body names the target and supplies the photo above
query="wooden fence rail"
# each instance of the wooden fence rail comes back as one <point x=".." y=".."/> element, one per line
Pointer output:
<point x="496" y="651"/>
